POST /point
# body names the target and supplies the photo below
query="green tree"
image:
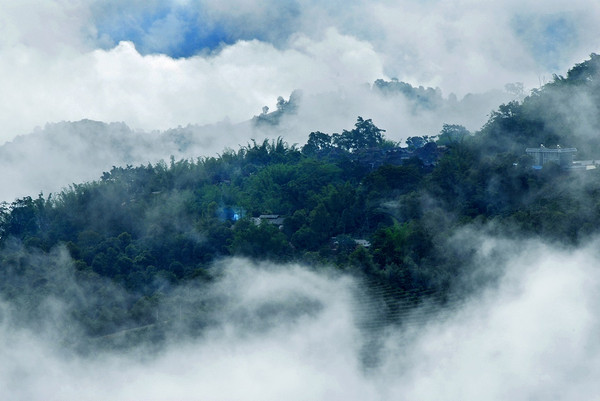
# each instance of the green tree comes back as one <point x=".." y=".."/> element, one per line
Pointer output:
<point x="452" y="134"/>
<point x="364" y="135"/>
<point x="264" y="241"/>
<point x="318" y="142"/>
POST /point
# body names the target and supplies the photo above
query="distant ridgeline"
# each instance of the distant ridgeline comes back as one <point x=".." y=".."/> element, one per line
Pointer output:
<point x="423" y="98"/>
<point x="427" y="98"/>
<point x="283" y="107"/>
<point x="353" y="200"/>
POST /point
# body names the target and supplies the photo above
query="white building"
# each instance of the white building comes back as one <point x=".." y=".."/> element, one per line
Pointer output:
<point x="560" y="156"/>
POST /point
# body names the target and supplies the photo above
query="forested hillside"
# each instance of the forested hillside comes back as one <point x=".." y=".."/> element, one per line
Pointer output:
<point x="352" y="200"/>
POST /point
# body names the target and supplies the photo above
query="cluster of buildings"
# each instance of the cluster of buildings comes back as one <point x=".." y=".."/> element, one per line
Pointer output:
<point x="564" y="157"/>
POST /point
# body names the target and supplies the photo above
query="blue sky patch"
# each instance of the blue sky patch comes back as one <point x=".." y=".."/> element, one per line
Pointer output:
<point x="183" y="31"/>
<point x="549" y="38"/>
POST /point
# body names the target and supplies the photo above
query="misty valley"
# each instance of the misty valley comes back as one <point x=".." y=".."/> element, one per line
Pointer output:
<point x="349" y="266"/>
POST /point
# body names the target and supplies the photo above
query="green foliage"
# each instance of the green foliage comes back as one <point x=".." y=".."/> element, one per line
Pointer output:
<point x="147" y="228"/>
<point x="452" y="134"/>
<point x="262" y="241"/>
<point x="564" y="112"/>
<point x="365" y="135"/>
<point x="317" y="143"/>
<point x="391" y="180"/>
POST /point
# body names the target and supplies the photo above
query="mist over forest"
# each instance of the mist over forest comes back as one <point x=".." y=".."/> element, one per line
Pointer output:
<point x="294" y="202"/>
<point x="59" y="154"/>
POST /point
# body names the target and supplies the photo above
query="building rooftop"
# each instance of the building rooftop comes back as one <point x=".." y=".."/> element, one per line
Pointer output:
<point x="551" y="150"/>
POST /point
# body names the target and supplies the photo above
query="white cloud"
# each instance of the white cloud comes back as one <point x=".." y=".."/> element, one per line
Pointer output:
<point x="158" y="92"/>
<point x="531" y="337"/>
<point x="51" y="71"/>
<point x="284" y="331"/>
<point x="49" y="27"/>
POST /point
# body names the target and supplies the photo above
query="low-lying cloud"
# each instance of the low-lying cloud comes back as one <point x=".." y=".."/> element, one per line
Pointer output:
<point x="285" y="331"/>
<point x="531" y="336"/>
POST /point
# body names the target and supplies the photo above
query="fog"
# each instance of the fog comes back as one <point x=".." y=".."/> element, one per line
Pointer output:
<point x="60" y="154"/>
<point x="529" y="332"/>
<point x="57" y="155"/>
<point x="126" y="83"/>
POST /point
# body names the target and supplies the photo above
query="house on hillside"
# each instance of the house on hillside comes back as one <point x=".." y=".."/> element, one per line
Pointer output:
<point x="274" y="219"/>
<point x="345" y="241"/>
<point x="377" y="157"/>
<point x="561" y="156"/>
